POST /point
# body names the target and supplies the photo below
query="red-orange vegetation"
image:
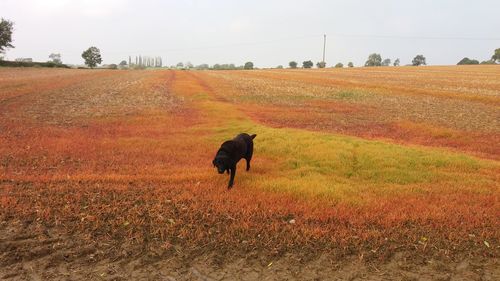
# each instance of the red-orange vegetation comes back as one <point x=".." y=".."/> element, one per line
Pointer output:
<point x="450" y="107"/>
<point x="136" y="165"/>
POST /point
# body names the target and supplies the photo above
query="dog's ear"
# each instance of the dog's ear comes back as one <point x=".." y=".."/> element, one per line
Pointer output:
<point x="253" y="136"/>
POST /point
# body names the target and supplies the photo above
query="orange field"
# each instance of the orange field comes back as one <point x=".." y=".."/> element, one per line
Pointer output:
<point x="453" y="107"/>
<point x="365" y="163"/>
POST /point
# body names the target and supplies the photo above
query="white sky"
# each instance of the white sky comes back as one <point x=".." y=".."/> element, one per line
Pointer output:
<point x="269" y="33"/>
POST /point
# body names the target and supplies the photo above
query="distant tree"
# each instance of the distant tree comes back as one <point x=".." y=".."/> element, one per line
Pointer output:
<point x="307" y="64"/>
<point x="292" y="64"/>
<point x="113" y="66"/>
<point x="397" y="62"/>
<point x="123" y="63"/>
<point x="188" y="65"/>
<point x="180" y="65"/>
<point x="488" y="62"/>
<point x="24" y="59"/>
<point x="418" y="60"/>
<point x="467" y="61"/>
<point x="350" y="64"/>
<point x="496" y="56"/>
<point x="386" y="62"/>
<point x="279" y="67"/>
<point x="374" y="60"/>
<point x="339" y="65"/>
<point x="226" y="66"/>
<point x="6" y="29"/>
<point x="56" y="58"/>
<point x="248" y="65"/>
<point x="92" y="57"/>
<point x="202" y="66"/>
<point x="321" y="64"/>
<point x="474" y="62"/>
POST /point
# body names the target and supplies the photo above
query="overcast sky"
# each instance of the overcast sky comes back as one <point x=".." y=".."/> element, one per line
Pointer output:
<point x="267" y="32"/>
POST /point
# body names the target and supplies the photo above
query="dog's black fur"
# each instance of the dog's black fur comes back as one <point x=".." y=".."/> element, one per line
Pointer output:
<point x="230" y="152"/>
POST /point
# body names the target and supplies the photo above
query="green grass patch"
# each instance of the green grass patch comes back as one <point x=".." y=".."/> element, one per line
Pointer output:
<point x="347" y="168"/>
<point x="348" y="95"/>
<point x="200" y="97"/>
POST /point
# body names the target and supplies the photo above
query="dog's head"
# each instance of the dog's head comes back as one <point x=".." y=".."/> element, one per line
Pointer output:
<point x="220" y="163"/>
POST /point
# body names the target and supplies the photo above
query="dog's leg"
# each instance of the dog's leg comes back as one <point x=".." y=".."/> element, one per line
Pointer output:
<point x="249" y="155"/>
<point x="248" y="163"/>
<point x="231" y="179"/>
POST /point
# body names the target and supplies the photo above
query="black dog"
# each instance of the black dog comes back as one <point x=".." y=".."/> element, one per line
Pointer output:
<point x="230" y="152"/>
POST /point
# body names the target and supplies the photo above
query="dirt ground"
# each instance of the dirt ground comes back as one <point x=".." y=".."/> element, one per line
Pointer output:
<point x="33" y="252"/>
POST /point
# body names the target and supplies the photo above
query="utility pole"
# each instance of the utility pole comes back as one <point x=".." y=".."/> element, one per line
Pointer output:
<point x="324" y="47"/>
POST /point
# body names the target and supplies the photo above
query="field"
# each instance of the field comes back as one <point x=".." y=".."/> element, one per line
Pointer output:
<point x="363" y="173"/>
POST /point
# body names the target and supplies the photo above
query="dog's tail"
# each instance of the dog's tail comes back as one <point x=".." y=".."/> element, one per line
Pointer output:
<point x="253" y="136"/>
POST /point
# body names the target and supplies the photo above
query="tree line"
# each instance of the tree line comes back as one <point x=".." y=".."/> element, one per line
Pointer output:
<point x="373" y="60"/>
<point x="143" y="61"/>
<point x="224" y="66"/>
<point x="376" y="60"/>
<point x="494" y="59"/>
